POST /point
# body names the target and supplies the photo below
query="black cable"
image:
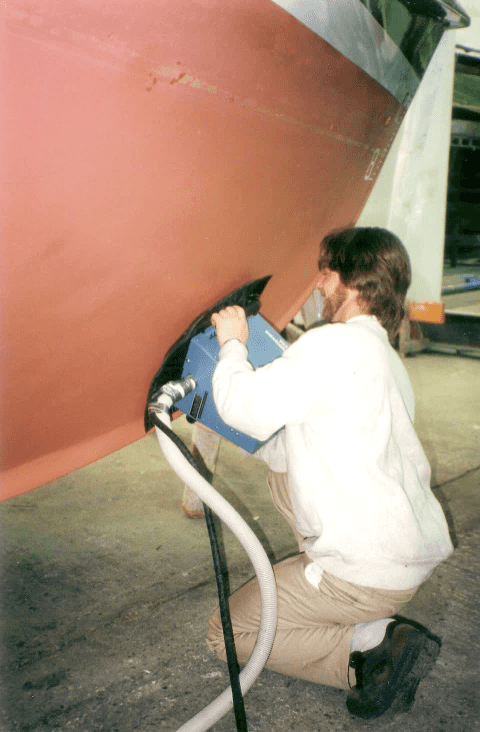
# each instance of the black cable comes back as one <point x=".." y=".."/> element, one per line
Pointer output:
<point x="232" y="661"/>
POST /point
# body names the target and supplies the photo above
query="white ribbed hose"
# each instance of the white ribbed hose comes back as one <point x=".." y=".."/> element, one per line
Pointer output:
<point x="263" y="569"/>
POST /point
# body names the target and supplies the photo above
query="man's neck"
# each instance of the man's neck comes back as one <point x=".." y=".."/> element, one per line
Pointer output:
<point x="351" y="308"/>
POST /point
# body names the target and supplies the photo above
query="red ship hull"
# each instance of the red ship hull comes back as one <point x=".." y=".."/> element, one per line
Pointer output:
<point x="156" y="161"/>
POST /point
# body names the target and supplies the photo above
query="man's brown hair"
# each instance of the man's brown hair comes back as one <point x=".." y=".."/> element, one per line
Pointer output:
<point x="375" y="262"/>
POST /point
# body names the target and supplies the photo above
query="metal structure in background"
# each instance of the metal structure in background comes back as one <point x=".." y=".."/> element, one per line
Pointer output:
<point x="463" y="201"/>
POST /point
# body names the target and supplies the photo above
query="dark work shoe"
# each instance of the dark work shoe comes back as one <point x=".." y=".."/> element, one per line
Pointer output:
<point x="388" y="675"/>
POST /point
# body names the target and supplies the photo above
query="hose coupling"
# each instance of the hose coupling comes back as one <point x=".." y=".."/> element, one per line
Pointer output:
<point x="170" y="393"/>
<point x="178" y="389"/>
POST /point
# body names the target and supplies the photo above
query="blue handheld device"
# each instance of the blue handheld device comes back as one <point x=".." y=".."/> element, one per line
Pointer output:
<point x="264" y="345"/>
<point x="196" y="354"/>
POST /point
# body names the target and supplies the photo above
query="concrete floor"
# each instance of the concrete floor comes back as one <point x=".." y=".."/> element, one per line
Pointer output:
<point x="107" y="587"/>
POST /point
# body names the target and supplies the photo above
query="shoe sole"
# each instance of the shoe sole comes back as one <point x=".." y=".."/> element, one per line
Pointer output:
<point x="422" y="665"/>
<point x="414" y="663"/>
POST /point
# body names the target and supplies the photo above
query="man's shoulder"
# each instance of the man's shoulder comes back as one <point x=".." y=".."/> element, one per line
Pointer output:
<point x="322" y="332"/>
<point x="356" y="336"/>
<point x="325" y="338"/>
<point x="357" y="328"/>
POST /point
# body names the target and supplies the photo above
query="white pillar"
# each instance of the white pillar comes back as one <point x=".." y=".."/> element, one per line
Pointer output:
<point x="409" y="197"/>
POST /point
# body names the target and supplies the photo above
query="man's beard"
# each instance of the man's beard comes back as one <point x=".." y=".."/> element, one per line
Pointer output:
<point x="332" y="304"/>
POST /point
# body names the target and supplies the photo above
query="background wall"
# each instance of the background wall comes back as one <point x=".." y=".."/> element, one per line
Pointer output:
<point x="409" y="196"/>
<point x="470" y="36"/>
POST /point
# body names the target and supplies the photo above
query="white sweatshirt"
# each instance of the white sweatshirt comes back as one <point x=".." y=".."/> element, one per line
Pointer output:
<point x="358" y="477"/>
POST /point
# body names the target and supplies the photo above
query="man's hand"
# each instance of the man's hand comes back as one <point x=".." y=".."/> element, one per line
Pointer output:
<point x="231" y="323"/>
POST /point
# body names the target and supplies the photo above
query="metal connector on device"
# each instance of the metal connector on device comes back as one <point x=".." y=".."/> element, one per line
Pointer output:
<point x="170" y="393"/>
<point x="178" y="389"/>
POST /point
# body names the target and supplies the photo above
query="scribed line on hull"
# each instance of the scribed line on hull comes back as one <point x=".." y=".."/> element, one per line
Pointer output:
<point x="170" y="73"/>
<point x="117" y="50"/>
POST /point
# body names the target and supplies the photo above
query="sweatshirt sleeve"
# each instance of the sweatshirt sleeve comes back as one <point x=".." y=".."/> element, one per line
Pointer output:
<point x="260" y="402"/>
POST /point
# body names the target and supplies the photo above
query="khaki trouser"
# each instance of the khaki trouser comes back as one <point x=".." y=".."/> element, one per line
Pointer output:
<point x="315" y="626"/>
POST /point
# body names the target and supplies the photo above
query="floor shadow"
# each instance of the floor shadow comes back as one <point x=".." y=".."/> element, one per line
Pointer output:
<point x="443" y="500"/>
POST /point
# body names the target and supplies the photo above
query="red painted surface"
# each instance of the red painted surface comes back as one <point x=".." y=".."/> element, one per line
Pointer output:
<point x="158" y="156"/>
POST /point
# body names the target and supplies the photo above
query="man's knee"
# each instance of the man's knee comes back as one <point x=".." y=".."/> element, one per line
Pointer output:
<point x="215" y="639"/>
